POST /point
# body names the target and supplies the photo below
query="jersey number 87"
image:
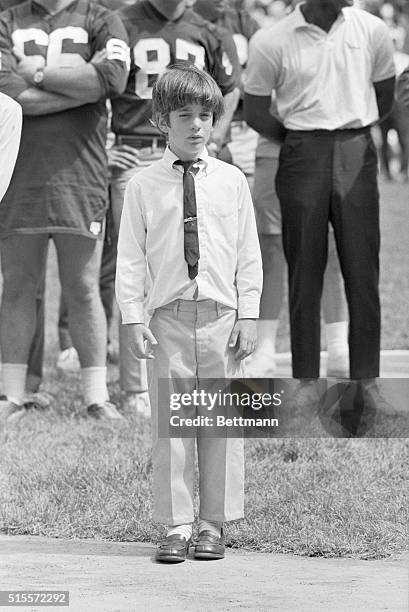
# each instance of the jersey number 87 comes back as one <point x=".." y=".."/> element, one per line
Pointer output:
<point x="152" y="56"/>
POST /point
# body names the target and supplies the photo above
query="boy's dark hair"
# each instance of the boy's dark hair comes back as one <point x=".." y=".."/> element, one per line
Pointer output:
<point x="183" y="84"/>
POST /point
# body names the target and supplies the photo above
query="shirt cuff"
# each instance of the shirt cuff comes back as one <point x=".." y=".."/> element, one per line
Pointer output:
<point x="132" y="313"/>
<point x="248" y="308"/>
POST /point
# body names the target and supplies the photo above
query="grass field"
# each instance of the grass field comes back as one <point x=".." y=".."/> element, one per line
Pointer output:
<point x="64" y="476"/>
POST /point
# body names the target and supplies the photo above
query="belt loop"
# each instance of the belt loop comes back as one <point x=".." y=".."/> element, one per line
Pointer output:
<point x="176" y="309"/>
<point x="218" y="309"/>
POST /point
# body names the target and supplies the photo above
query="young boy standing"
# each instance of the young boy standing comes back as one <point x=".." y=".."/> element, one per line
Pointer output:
<point x="188" y="223"/>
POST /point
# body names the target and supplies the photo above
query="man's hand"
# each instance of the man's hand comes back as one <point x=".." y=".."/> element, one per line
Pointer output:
<point x="123" y="157"/>
<point x="28" y="64"/>
<point x="139" y="336"/>
<point x="213" y="149"/>
<point x="244" y="336"/>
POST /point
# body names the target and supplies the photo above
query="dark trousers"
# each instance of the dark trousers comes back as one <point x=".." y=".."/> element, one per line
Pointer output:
<point x="326" y="177"/>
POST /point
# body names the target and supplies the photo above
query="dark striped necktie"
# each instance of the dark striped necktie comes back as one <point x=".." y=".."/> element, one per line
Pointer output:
<point x="191" y="240"/>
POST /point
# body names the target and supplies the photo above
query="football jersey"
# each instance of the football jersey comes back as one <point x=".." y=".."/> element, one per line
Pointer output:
<point x="241" y="26"/>
<point x="157" y="43"/>
<point x="239" y="23"/>
<point x="60" y="179"/>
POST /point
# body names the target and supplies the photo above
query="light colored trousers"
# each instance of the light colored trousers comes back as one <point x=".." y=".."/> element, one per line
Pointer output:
<point x="193" y="345"/>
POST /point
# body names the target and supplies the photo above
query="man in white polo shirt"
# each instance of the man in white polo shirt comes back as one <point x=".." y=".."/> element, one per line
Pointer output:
<point x="331" y="67"/>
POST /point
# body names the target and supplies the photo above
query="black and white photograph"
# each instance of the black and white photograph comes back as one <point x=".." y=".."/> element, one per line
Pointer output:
<point x="204" y="305"/>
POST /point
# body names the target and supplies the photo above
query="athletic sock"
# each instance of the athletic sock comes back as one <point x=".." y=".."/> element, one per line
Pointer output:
<point x="214" y="527"/>
<point x="337" y="338"/>
<point x="267" y="332"/>
<point x="14" y="381"/>
<point x="183" y="530"/>
<point x="94" y="385"/>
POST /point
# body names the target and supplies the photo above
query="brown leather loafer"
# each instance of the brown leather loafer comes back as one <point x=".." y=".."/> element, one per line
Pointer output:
<point x="173" y="549"/>
<point x="209" y="546"/>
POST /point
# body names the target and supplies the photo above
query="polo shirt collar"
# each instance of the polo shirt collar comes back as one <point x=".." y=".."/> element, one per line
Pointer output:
<point x="301" y="22"/>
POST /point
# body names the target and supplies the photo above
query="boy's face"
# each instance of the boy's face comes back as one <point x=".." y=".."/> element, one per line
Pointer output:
<point x="188" y="130"/>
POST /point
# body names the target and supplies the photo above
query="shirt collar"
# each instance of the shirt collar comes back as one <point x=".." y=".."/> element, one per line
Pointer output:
<point x="169" y="158"/>
<point x="301" y="22"/>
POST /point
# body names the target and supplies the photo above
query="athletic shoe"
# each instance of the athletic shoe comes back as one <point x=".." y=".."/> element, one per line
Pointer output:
<point x="137" y="402"/>
<point x="9" y="411"/>
<point x="38" y="401"/>
<point x="104" y="412"/>
<point x="68" y="361"/>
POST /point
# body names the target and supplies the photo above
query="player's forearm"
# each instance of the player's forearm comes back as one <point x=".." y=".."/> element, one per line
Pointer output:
<point x="79" y="82"/>
<point x="230" y="104"/>
<point x="385" y="96"/>
<point x="39" y="102"/>
<point x="402" y="89"/>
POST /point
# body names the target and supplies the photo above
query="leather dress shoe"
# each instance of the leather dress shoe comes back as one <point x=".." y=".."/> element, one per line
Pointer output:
<point x="209" y="546"/>
<point x="173" y="549"/>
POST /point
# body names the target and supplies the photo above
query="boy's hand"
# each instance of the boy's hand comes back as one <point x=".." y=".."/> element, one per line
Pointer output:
<point x="244" y="336"/>
<point x="138" y="338"/>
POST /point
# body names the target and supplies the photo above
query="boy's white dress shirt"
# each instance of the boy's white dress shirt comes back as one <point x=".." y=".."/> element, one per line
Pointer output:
<point x="10" y="130"/>
<point x="151" y="237"/>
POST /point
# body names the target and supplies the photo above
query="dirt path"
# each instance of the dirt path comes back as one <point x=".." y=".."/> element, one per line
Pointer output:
<point x="108" y="577"/>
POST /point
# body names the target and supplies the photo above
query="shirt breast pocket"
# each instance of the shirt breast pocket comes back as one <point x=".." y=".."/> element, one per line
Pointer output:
<point x="221" y="208"/>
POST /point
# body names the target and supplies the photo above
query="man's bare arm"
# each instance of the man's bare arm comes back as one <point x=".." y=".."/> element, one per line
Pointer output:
<point x="230" y="104"/>
<point x="385" y="94"/>
<point x="257" y="115"/>
<point x="39" y="102"/>
<point x="78" y="82"/>
<point x="81" y="82"/>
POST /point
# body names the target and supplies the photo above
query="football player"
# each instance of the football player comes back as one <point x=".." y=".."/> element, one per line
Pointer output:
<point x="60" y="60"/>
<point x="230" y="15"/>
<point x="160" y="32"/>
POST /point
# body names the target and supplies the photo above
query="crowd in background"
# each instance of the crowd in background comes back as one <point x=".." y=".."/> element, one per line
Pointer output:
<point x="394" y="12"/>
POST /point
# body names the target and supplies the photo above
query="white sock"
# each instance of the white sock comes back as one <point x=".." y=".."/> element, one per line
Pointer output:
<point x="337" y="338"/>
<point x="183" y="530"/>
<point x="94" y="385"/>
<point x="14" y="381"/>
<point x="214" y="527"/>
<point x="266" y="335"/>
